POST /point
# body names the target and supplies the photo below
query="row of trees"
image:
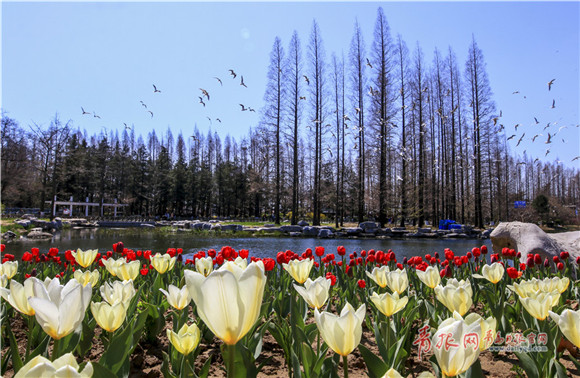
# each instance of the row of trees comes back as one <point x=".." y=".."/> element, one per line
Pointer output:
<point x="371" y="135"/>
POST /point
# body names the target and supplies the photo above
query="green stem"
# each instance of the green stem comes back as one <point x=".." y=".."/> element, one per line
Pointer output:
<point x="30" y="323"/>
<point x="55" y="347"/>
<point x="388" y="332"/>
<point x="317" y="342"/>
<point x="345" y="365"/>
<point x="231" y="360"/>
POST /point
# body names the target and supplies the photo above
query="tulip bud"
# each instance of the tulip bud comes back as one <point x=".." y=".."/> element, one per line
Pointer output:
<point x="546" y="263"/>
<point x="537" y="259"/>
<point x="186" y="340"/>
<point x="315" y="293"/>
<point x="341" y="333"/>
<point x="109" y="317"/>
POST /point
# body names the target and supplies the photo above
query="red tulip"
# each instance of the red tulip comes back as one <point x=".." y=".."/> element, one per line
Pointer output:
<point x="53" y="251"/>
<point x="362" y="284"/>
<point x="332" y="278"/>
<point x="211" y="253"/>
<point x="144" y="271"/>
<point x="281" y="258"/>
<point x="564" y="255"/>
<point x="27" y="256"/>
<point x="484" y="249"/>
<point x="537" y="259"/>
<point x="341" y="250"/>
<point x="269" y="264"/>
<point x="513" y="273"/>
<point x="319" y="251"/>
<point x="560" y="266"/>
<point x="244" y="253"/>
<point x="2" y="248"/>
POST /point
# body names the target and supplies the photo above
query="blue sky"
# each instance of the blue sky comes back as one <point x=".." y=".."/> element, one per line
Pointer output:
<point x="104" y="57"/>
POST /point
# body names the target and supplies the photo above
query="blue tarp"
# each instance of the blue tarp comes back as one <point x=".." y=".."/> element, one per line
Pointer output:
<point x="445" y="223"/>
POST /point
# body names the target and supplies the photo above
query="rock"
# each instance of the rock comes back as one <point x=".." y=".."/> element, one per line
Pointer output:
<point x="23" y="222"/>
<point x="8" y="235"/>
<point x="295" y="234"/>
<point x="303" y="223"/>
<point x="368" y="226"/>
<point x="310" y="231"/>
<point x="147" y="225"/>
<point x="37" y="233"/>
<point x="425" y="230"/>
<point x="486" y="234"/>
<point x="353" y="231"/>
<point x="269" y="229"/>
<point x="528" y="238"/>
<point x="291" y="228"/>
<point x="215" y="227"/>
<point x="325" y="233"/>
<point x="232" y="227"/>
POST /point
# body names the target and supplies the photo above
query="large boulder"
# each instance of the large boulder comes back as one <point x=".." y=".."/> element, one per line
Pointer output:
<point x="528" y="238"/>
<point x="291" y="228"/>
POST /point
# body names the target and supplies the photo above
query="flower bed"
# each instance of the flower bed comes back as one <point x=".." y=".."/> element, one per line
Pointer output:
<point x="315" y="314"/>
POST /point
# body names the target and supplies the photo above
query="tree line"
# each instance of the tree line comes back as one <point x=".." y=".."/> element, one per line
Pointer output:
<point x="371" y="135"/>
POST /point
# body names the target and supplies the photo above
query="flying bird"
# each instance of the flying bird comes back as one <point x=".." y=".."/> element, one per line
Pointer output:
<point x="155" y="90"/>
<point x="150" y="112"/>
<point x="209" y="120"/>
<point x="511" y="137"/>
<point x="535" y="136"/>
<point x="346" y="117"/>
<point x="84" y="112"/>
<point x="547" y="152"/>
<point x="516" y="92"/>
<point x="548" y="125"/>
<point x="201" y="101"/>
<point x="550" y="84"/>
<point x="520" y="140"/>
<point x="302" y="97"/>
<point x="495" y="120"/>
<point x="96" y="116"/>
<point x="142" y="103"/>
<point x="218" y="79"/>
<point x="516" y="126"/>
<point x="369" y="63"/>
<point x="576" y="158"/>
<point x="205" y="93"/>
<point x="127" y="127"/>
<point x="307" y="79"/>
<point x="549" y="139"/>
<point x="535" y="119"/>
<point x="219" y="120"/>
<point x="357" y="110"/>
<point x="233" y="73"/>
<point x="251" y="109"/>
<point x="242" y="82"/>
<point x="553" y="104"/>
<point x="243" y="107"/>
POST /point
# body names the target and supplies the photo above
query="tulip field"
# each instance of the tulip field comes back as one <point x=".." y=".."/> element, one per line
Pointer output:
<point x="434" y="315"/>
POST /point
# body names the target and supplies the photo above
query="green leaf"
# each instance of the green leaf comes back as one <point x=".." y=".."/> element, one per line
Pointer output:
<point x="475" y="370"/>
<point x="528" y="364"/>
<point x="560" y="369"/>
<point x="165" y="367"/>
<point x="70" y="342"/>
<point x="296" y="366"/>
<point x="376" y="367"/>
<point x="101" y="371"/>
<point x="16" y="360"/>
<point x="118" y="350"/>
<point x="204" y="372"/>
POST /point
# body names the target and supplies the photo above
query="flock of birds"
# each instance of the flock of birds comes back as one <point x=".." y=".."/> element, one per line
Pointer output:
<point x="203" y="99"/>
<point x="548" y="129"/>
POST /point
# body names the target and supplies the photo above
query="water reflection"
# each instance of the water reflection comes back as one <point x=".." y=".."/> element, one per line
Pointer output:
<point x="191" y="242"/>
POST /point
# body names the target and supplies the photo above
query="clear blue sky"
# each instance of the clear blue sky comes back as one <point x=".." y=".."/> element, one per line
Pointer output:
<point x="104" y="57"/>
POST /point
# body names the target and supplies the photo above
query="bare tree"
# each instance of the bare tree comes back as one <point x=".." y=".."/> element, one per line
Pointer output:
<point x="294" y="74"/>
<point x="357" y="58"/>
<point x="272" y="114"/>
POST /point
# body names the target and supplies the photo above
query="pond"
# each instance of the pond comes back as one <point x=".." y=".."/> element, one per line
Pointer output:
<point x="191" y="242"/>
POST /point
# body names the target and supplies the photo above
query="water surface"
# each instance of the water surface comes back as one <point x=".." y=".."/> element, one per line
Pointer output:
<point x="147" y="239"/>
